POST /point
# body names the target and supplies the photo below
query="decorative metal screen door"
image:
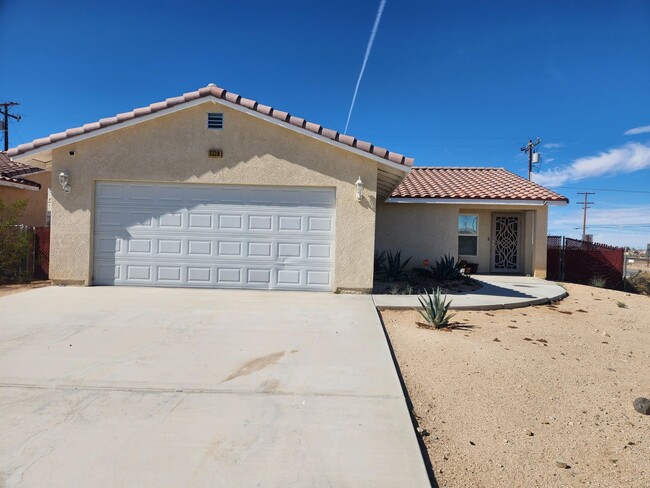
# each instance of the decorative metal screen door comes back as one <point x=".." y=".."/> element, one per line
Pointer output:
<point x="506" y="248"/>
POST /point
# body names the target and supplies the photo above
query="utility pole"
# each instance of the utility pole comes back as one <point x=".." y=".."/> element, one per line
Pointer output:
<point x="585" y="205"/>
<point x="531" y="155"/>
<point x="5" y="120"/>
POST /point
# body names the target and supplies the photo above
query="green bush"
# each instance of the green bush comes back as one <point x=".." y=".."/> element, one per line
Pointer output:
<point x="435" y="309"/>
<point x="15" y="243"/>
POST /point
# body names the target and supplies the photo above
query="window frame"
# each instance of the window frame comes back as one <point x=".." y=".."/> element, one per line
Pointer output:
<point x="475" y="235"/>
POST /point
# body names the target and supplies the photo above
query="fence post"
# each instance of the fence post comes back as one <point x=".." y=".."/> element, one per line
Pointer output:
<point x="562" y="256"/>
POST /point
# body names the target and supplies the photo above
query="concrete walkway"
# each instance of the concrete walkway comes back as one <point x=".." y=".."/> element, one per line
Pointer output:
<point x="145" y="387"/>
<point x="497" y="292"/>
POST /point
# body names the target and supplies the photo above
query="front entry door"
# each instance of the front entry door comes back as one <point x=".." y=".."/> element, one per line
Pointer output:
<point x="506" y="243"/>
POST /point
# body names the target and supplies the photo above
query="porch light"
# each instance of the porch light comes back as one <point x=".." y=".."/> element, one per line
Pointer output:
<point x="63" y="181"/>
<point x="359" y="187"/>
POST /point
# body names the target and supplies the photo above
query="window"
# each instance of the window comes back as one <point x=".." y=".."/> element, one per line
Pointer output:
<point x="215" y="120"/>
<point x="468" y="235"/>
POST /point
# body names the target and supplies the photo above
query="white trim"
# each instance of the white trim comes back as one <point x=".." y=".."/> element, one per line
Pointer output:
<point x="19" y="185"/>
<point x="478" y="219"/>
<point x="198" y="101"/>
<point x="474" y="201"/>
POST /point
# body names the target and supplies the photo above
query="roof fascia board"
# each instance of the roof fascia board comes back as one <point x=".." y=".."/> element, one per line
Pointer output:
<point x="19" y="186"/>
<point x="474" y="201"/>
<point x="31" y="154"/>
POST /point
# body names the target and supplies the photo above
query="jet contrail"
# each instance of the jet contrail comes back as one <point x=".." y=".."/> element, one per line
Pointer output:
<point x="382" y="4"/>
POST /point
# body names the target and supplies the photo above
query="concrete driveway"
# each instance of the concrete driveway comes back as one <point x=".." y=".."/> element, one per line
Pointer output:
<point x="138" y="387"/>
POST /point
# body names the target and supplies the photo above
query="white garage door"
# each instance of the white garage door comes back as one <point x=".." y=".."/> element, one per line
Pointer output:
<point x="214" y="236"/>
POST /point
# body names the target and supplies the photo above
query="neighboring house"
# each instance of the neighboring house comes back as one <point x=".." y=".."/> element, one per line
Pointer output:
<point x="486" y="216"/>
<point x="210" y="189"/>
<point x="23" y="182"/>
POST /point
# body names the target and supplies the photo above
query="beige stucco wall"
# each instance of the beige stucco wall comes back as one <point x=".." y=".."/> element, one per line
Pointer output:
<point x="418" y="230"/>
<point x="174" y="148"/>
<point x="36" y="210"/>
<point x="429" y="231"/>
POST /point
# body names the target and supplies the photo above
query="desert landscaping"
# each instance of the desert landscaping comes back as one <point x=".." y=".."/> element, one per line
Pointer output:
<point x="537" y="396"/>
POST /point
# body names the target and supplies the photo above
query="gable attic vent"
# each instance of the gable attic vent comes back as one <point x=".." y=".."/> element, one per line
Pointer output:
<point x="215" y="120"/>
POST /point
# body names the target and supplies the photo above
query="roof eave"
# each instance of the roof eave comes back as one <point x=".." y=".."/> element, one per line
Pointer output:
<point x="42" y="156"/>
<point x="475" y="201"/>
<point x="20" y="186"/>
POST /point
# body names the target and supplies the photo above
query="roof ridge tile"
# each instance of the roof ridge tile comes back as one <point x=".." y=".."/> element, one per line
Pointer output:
<point x="231" y="97"/>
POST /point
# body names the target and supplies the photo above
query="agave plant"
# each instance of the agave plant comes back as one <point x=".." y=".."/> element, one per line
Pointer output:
<point x="394" y="269"/>
<point x="435" y="309"/>
<point x="380" y="260"/>
<point x="446" y="269"/>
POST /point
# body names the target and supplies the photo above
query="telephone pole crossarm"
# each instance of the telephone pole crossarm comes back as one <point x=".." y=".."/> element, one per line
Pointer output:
<point x="585" y="205"/>
<point x="529" y="149"/>
<point x="4" y="110"/>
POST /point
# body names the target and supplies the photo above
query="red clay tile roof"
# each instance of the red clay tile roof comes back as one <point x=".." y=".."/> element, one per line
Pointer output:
<point x="471" y="183"/>
<point x="215" y="91"/>
<point x="14" y="168"/>
<point x="10" y="169"/>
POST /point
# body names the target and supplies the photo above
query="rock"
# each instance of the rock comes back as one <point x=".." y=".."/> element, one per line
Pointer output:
<point x="529" y="433"/>
<point x="562" y="465"/>
<point x="496" y="339"/>
<point x="422" y="432"/>
<point x="642" y="405"/>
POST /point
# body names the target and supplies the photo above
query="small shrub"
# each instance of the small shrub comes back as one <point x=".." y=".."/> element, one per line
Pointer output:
<point x="394" y="269"/>
<point x="435" y="309"/>
<point x="621" y="305"/>
<point x="640" y="283"/>
<point x="598" y="282"/>
<point x="14" y="241"/>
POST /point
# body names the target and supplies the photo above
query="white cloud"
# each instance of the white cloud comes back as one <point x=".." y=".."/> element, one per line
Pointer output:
<point x="552" y="145"/>
<point x="613" y="226"/>
<point x="625" y="159"/>
<point x="637" y="130"/>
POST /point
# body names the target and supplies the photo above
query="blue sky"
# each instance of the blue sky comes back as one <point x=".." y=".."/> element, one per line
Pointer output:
<point x="451" y="83"/>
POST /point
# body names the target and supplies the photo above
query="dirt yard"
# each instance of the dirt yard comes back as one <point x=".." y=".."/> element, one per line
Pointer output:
<point x="538" y="396"/>
<point x="20" y="287"/>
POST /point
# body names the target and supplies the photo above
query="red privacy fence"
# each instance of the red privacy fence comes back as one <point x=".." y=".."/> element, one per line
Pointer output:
<point x="584" y="262"/>
<point x="41" y="252"/>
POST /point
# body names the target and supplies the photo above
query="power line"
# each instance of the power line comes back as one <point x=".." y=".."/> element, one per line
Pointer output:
<point x="602" y="189"/>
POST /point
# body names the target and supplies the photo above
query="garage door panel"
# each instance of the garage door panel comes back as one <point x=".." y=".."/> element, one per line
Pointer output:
<point x="214" y="236"/>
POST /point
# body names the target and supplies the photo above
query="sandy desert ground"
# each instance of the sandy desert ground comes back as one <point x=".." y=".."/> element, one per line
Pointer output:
<point x="538" y="396"/>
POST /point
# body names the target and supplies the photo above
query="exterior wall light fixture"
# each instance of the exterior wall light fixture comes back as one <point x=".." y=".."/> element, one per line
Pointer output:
<point x="359" y="187"/>
<point x="64" y="178"/>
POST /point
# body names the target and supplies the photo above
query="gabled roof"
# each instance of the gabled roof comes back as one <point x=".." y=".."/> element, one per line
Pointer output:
<point x="229" y="97"/>
<point x="10" y="169"/>
<point x="480" y="184"/>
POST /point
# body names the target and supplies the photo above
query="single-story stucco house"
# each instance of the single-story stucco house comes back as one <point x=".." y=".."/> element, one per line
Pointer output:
<point x="210" y="189"/>
<point x="24" y="182"/>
